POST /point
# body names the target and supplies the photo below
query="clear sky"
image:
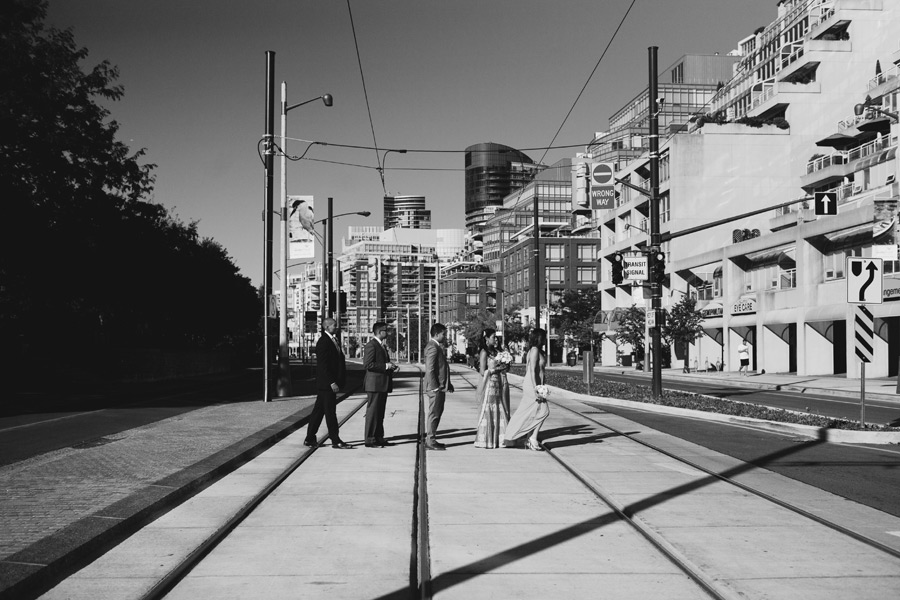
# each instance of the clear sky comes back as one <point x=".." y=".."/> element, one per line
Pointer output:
<point x="440" y="75"/>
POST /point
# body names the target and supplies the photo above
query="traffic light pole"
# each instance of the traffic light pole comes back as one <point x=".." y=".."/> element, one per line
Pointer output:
<point x="655" y="239"/>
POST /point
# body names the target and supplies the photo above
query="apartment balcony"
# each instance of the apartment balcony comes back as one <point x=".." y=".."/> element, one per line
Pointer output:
<point x="834" y="167"/>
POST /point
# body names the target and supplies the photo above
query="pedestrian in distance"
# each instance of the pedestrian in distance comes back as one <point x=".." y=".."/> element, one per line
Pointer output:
<point x="437" y="383"/>
<point x="331" y="376"/>
<point x="533" y="409"/>
<point x="492" y="391"/>
<point x="379" y="382"/>
<point x="744" y="356"/>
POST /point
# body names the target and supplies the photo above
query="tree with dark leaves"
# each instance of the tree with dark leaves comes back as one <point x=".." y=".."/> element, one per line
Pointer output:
<point x="87" y="263"/>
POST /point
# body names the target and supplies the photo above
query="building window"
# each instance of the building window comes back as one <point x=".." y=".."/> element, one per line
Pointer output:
<point x="555" y="252"/>
<point x="587" y="252"/>
<point x="834" y="263"/>
<point x="587" y="274"/>
<point x="473" y="300"/>
<point x="556" y="274"/>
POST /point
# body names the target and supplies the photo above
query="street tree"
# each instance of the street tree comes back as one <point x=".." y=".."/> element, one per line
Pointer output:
<point x="576" y="310"/>
<point x="86" y="258"/>
<point x="683" y="325"/>
<point x="632" y="322"/>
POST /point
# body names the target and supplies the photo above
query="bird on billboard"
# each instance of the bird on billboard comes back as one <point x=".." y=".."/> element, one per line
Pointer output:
<point x="305" y="215"/>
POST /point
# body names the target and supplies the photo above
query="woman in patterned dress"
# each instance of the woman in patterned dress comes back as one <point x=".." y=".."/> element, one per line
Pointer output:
<point x="494" y="414"/>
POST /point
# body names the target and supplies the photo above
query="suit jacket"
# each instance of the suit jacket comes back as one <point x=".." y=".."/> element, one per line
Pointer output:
<point x="375" y="360"/>
<point x="331" y="366"/>
<point x="437" y="371"/>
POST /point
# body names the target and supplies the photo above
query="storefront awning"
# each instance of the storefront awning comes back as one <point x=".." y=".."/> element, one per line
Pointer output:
<point x="784" y="257"/>
<point x="782" y="316"/>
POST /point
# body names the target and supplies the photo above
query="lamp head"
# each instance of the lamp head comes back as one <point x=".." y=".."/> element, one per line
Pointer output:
<point x="328" y="99"/>
<point x="364" y="213"/>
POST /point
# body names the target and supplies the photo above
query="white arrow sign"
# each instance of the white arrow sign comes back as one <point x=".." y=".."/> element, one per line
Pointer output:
<point x="865" y="280"/>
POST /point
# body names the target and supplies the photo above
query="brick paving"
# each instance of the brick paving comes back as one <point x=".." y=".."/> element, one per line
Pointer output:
<point x="52" y="502"/>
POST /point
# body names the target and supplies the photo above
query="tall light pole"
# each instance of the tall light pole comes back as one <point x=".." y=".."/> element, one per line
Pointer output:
<point x="268" y="201"/>
<point x="284" y="360"/>
<point x="328" y="253"/>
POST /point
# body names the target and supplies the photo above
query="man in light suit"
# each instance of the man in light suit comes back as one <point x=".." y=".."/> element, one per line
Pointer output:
<point x="379" y="382"/>
<point x="331" y="376"/>
<point x="437" y="383"/>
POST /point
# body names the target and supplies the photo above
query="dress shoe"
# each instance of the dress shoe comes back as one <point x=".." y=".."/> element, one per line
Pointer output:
<point x="342" y="446"/>
<point x="383" y="443"/>
<point x="435" y="446"/>
<point x="371" y="445"/>
<point x="311" y="443"/>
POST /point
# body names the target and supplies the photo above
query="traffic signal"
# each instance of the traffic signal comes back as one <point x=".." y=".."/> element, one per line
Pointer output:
<point x="659" y="267"/>
<point x="618" y="268"/>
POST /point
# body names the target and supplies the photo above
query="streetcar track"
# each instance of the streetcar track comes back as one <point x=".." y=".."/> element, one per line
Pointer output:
<point x="180" y="571"/>
<point x="796" y="509"/>
<point x="668" y="550"/>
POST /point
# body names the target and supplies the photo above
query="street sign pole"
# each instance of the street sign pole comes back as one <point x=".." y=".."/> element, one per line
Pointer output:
<point x="655" y="240"/>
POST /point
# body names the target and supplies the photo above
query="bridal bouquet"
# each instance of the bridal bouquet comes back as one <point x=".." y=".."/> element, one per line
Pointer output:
<point x="504" y="358"/>
<point x="542" y="391"/>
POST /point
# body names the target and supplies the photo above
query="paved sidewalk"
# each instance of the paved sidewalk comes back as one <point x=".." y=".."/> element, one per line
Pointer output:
<point x="61" y="509"/>
<point x="879" y="388"/>
<point x="506" y="523"/>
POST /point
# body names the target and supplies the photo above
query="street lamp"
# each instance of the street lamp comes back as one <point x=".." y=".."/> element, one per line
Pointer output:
<point x="284" y="361"/>
<point x="384" y="161"/>
<point x="328" y="252"/>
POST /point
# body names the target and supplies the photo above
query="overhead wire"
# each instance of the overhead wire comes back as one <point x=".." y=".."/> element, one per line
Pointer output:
<point x="366" y="95"/>
<point x="519" y="200"/>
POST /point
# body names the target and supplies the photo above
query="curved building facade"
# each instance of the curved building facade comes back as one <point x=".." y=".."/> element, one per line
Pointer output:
<point x="493" y="171"/>
<point x="406" y="212"/>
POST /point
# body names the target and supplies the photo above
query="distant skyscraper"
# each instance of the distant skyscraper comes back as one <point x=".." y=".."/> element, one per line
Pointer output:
<point x="492" y="172"/>
<point x="406" y="212"/>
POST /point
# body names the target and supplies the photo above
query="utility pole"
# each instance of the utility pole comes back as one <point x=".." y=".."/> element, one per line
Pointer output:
<point x="267" y="218"/>
<point x="537" y="266"/>
<point x="655" y="239"/>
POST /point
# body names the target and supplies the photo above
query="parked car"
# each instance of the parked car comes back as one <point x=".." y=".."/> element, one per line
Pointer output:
<point x="458" y="357"/>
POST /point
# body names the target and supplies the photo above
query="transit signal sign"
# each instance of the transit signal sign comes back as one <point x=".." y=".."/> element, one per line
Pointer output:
<point x="865" y="280"/>
<point x="634" y="268"/>
<point x="826" y="203"/>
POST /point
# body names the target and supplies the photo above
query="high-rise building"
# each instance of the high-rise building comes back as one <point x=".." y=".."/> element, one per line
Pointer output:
<point x="686" y="88"/>
<point x="406" y="212"/>
<point x="795" y="120"/>
<point x="492" y="172"/>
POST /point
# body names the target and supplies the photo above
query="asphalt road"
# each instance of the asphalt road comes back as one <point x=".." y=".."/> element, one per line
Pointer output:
<point x="868" y="475"/>
<point x="878" y="412"/>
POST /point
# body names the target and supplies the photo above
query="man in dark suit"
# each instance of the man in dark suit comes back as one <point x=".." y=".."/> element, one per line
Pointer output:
<point x="331" y="376"/>
<point x="437" y="383"/>
<point x="379" y="382"/>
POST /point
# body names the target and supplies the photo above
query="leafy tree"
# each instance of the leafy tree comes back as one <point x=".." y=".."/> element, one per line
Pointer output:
<point x="478" y="321"/>
<point x="632" y="321"/>
<point x="512" y="325"/>
<point x="576" y="311"/>
<point x="684" y="324"/>
<point x="86" y="262"/>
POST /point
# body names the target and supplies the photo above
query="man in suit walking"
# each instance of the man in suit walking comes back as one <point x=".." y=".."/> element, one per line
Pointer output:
<point x="437" y="383"/>
<point x="331" y="376"/>
<point x="379" y="382"/>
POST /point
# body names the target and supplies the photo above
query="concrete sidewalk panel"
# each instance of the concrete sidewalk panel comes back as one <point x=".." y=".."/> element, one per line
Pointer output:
<point x="343" y="586"/>
<point x="333" y="509"/>
<point x="447" y="508"/>
<point x="569" y="585"/>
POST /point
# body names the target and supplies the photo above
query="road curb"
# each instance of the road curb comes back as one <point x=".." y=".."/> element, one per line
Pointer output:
<point x="843" y="436"/>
